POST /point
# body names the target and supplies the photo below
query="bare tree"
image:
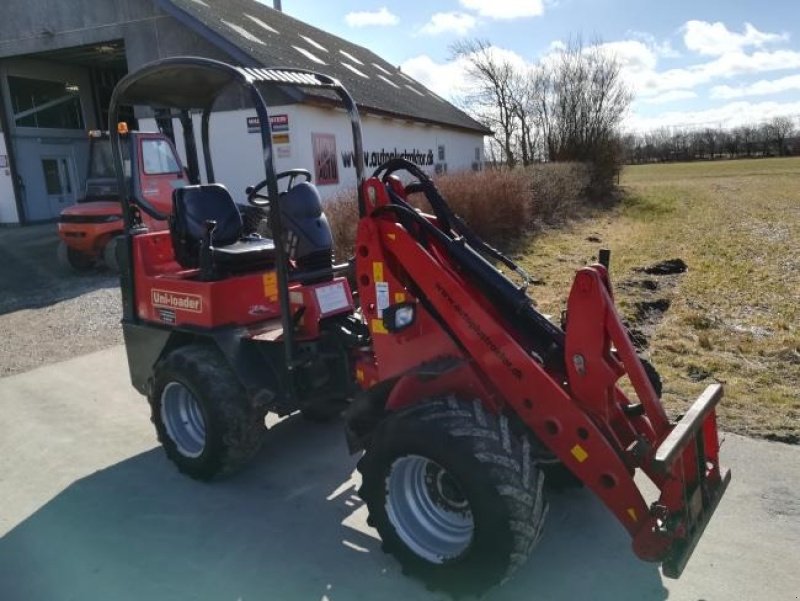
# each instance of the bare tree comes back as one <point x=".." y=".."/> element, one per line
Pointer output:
<point x="495" y="99"/>
<point x="778" y="131"/>
<point x="580" y="101"/>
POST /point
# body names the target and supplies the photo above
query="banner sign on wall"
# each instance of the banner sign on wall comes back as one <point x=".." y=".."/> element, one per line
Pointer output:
<point x="326" y="168"/>
<point x="277" y="123"/>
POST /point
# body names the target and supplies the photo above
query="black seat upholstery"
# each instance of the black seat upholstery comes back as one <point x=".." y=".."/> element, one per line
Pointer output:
<point x="229" y="251"/>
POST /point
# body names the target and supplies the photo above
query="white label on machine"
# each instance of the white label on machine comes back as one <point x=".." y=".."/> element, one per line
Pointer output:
<point x="332" y="298"/>
<point x="381" y="297"/>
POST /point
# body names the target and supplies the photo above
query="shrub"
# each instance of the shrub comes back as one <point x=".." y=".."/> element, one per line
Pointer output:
<point x="342" y="213"/>
<point x="500" y="205"/>
<point x="496" y="204"/>
<point x="557" y="191"/>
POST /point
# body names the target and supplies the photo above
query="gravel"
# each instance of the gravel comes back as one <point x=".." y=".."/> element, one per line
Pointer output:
<point x="48" y="314"/>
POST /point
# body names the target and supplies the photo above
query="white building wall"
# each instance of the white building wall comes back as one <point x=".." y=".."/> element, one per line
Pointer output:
<point x="237" y="158"/>
<point x="8" y="206"/>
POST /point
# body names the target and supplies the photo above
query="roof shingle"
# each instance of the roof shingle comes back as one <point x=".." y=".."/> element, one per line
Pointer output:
<point x="272" y="38"/>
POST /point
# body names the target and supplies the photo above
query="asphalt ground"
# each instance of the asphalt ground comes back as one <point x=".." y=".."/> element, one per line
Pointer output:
<point x="91" y="509"/>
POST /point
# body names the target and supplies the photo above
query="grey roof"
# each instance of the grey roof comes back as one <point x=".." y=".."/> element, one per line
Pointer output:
<point x="261" y="36"/>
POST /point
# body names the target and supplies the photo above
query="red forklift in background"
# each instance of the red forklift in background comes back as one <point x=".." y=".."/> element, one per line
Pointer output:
<point x="90" y="230"/>
<point x="463" y="395"/>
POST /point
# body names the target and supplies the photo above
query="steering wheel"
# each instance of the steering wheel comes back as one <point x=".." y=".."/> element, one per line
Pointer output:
<point x="254" y="192"/>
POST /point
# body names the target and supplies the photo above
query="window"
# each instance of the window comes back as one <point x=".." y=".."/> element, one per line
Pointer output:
<point x="477" y="153"/>
<point x="56" y="176"/>
<point x="158" y="158"/>
<point x="101" y="164"/>
<point x="46" y="104"/>
<point x="441" y="152"/>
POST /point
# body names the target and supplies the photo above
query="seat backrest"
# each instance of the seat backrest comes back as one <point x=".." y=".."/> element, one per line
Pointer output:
<point x="192" y="206"/>
<point x="308" y="234"/>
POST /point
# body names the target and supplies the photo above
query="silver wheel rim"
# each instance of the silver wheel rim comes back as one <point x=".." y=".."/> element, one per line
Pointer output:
<point x="183" y="419"/>
<point x="427" y="509"/>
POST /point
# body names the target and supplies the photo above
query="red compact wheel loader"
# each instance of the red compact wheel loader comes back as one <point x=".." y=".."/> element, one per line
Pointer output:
<point x="463" y="396"/>
<point x="90" y="230"/>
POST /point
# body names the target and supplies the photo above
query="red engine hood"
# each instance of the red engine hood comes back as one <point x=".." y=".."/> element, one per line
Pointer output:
<point x="100" y="207"/>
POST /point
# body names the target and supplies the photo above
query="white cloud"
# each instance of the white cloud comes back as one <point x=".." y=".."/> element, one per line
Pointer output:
<point x="729" y="115"/>
<point x="725" y="67"/>
<point x="459" y="23"/>
<point x="715" y="39"/>
<point x="763" y="87"/>
<point x="449" y="79"/>
<point x="671" y="96"/>
<point x="661" y="48"/>
<point x="634" y="56"/>
<point x="446" y="79"/>
<point x="505" y="9"/>
<point x="381" y="16"/>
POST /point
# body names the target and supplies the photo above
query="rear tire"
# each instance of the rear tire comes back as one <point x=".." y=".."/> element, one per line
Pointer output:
<point x="202" y="416"/>
<point x="72" y="260"/>
<point x="454" y="493"/>
<point x="110" y="253"/>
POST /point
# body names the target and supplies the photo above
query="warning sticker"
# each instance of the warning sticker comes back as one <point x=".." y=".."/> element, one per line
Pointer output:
<point x="381" y="297"/>
<point x="332" y="298"/>
<point x="166" y="315"/>
<point x="271" y="286"/>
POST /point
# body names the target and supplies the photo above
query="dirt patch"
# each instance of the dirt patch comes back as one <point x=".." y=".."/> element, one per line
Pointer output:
<point x="651" y="310"/>
<point x="652" y="298"/>
<point x="668" y="267"/>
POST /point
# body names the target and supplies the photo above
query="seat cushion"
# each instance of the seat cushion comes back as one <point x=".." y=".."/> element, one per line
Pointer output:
<point x="244" y="255"/>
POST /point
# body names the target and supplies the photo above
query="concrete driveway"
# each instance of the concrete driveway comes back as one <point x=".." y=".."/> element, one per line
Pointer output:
<point x="90" y="509"/>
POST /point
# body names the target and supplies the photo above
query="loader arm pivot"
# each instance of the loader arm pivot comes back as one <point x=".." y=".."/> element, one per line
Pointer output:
<point x="571" y="402"/>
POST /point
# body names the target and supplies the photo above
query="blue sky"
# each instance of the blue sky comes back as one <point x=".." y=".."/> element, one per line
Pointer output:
<point x="700" y="62"/>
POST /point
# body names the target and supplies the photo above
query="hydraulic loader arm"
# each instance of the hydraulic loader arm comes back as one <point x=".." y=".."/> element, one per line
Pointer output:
<point x="586" y="421"/>
<point x="681" y="459"/>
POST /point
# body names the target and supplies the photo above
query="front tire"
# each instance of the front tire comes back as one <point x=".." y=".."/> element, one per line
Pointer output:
<point x="455" y="494"/>
<point x="71" y="260"/>
<point x="202" y="416"/>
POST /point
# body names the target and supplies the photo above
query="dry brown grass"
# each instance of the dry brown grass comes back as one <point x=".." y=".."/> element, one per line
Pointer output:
<point x="735" y="315"/>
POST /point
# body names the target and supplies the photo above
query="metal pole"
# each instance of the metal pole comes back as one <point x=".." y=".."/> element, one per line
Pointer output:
<point x="277" y="5"/>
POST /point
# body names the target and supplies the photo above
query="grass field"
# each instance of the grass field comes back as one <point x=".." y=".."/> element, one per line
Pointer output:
<point x="734" y="316"/>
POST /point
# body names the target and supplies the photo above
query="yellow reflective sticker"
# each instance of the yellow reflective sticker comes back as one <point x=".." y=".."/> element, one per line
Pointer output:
<point x="579" y="453"/>
<point x="271" y="285"/>
<point x="391" y="236"/>
<point x="377" y="327"/>
<point x="360" y="375"/>
<point x="632" y="513"/>
<point x="399" y="297"/>
<point x="377" y="271"/>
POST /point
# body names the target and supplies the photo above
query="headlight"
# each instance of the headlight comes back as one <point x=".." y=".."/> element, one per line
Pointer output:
<point x="400" y="316"/>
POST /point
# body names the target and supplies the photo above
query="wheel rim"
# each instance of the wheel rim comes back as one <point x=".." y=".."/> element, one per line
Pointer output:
<point x="183" y="419"/>
<point x="427" y="509"/>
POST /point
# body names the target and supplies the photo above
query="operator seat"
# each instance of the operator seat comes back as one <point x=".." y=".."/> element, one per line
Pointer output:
<point x="207" y="232"/>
